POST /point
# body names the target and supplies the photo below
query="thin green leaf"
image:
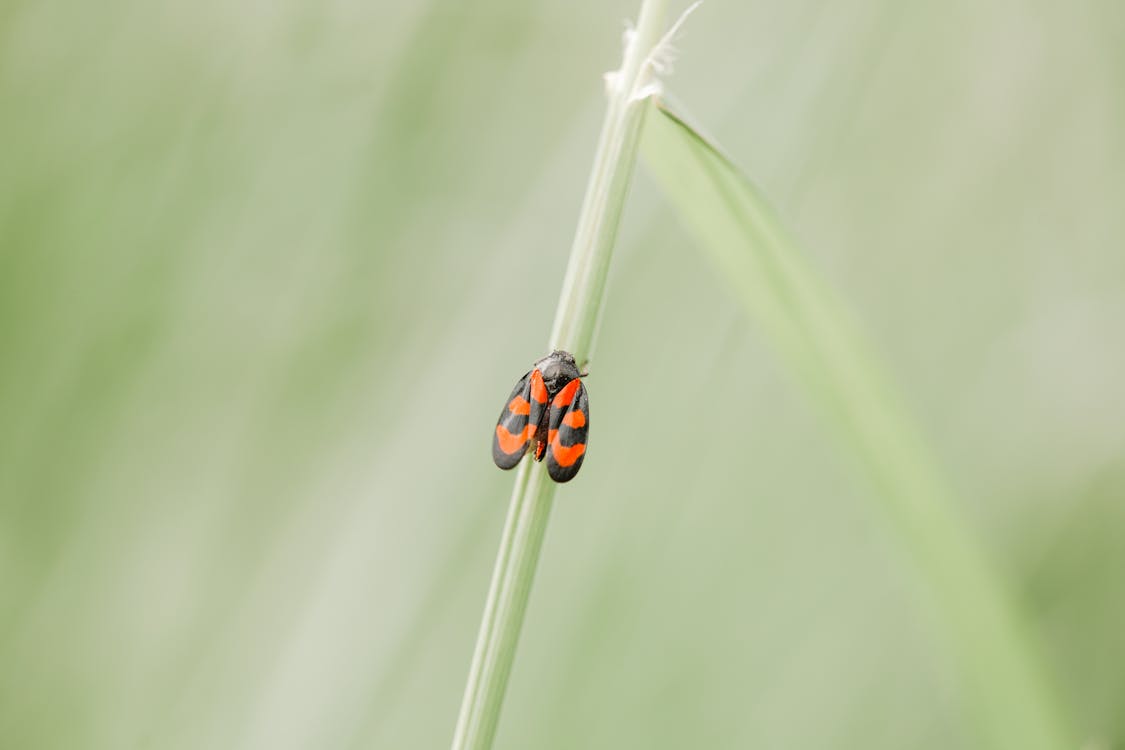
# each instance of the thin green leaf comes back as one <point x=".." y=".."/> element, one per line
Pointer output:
<point x="1004" y="685"/>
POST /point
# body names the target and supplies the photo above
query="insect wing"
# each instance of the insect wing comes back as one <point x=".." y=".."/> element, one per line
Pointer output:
<point x="568" y="426"/>
<point x="519" y="421"/>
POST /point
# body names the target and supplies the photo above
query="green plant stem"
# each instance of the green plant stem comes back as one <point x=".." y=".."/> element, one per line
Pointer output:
<point x="583" y="289"/>
<point x="575" y="326"/>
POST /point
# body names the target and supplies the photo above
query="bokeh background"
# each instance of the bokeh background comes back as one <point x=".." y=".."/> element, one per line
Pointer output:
<point x="268" y="271"/>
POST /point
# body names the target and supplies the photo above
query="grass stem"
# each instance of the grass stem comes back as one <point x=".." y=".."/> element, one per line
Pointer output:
<point x="575" y="326"/>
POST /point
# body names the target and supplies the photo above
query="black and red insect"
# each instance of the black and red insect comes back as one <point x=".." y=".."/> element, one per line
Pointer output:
<point x="548" y="409"/>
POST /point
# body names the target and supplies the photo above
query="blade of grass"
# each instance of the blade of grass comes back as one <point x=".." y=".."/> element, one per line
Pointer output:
<point x="1004" y="683"/>
<point x="574" y="329"/>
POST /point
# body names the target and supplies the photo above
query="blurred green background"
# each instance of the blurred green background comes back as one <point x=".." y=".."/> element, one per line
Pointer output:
<point x="269" y="270"/>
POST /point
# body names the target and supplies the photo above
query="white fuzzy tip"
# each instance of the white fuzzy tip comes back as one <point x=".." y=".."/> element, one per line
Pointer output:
<point x="658" y="62"/>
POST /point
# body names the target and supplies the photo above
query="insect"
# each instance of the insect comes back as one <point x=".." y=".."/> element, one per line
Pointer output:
<point x="548" y="412"/>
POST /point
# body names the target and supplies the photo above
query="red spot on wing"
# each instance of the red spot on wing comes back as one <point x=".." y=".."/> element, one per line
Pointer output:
<point x="566" y="456"/>
<point x="566" y="395"/>
<point x="511" y="442"/>
<point x="538" y="387"/>
<point x="575" y="419"/>
<point x="519" y="405"/>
